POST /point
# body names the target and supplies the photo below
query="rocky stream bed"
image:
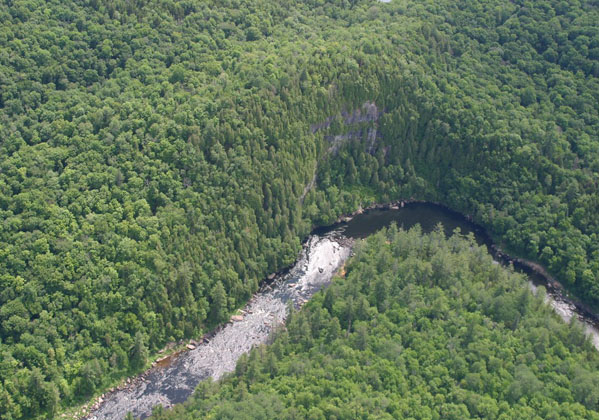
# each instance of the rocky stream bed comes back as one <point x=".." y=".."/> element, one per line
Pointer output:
<point x="173" y="379"/>
<point x="166" y="385"/>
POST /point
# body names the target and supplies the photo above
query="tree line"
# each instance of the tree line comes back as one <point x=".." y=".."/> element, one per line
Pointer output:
<point x="155" y="155"/>
<point x="419" y="327"/>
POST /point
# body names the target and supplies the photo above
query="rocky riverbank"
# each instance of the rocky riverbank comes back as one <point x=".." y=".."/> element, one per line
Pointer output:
<point x="173" y="378"/>
<point x="173" y="382"/>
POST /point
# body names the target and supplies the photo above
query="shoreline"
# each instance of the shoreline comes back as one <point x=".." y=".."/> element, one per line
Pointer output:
<point x="294" y="291"/>
<point x="525" y="265"/>
<point x="184" y="346"/>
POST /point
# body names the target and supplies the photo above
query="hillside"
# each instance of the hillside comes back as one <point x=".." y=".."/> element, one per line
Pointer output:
<point x="155" y="157"/>
<point x="421" y="327"/>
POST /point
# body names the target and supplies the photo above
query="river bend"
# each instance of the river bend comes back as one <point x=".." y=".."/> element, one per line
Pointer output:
<point x="324" y="253"/>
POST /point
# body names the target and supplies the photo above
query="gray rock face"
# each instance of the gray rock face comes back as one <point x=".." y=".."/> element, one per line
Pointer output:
<point x="369" y="112"/>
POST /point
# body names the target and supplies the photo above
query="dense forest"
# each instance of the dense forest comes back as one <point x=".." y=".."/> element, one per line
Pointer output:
<point x="420" y="327"/>
<point x="159" y="158"/>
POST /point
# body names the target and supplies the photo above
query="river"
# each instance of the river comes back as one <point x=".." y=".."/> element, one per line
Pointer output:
<point x="326" y="250"/>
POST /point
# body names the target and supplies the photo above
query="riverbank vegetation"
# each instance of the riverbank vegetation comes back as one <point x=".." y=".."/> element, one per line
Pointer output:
<point x="155" y="156"/>
<point x="420" y="327"/>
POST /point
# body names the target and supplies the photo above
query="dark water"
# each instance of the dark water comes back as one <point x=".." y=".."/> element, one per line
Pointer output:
<point x="325" y="251"/>
<point x="429" y="216"/>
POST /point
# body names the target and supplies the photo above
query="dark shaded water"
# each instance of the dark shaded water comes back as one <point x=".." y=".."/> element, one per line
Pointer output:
<point x="429" y="215"/>
<point x="324" y="252"/>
